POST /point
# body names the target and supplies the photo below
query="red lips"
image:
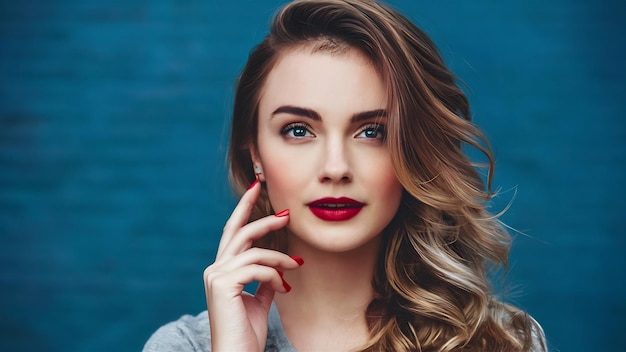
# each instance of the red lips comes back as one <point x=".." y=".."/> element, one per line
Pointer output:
<point x="335" y="209"/>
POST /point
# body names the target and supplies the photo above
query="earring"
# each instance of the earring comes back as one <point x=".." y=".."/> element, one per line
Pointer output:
<point x="258" y="170"/>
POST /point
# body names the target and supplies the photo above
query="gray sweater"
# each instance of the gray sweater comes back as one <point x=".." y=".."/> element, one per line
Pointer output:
<point x="191" y="334"/>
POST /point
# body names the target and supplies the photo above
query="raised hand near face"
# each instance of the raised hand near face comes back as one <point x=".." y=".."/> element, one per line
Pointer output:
<point x="238" y="320"/>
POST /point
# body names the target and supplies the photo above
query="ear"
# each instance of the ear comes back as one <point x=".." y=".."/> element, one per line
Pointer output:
<point x="257" y="165"/>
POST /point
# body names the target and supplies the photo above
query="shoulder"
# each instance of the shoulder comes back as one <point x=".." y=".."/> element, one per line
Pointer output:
<point x="187" y="334"/>
<point x="193" y="334"/>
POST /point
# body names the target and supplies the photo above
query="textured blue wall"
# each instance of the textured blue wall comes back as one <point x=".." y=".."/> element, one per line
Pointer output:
<point x="113" y="190"/>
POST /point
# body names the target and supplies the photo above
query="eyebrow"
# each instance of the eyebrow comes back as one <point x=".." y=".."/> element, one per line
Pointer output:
<point x="314" y="115"/>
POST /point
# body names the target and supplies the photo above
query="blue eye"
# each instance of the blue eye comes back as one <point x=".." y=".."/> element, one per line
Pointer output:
<point x="296" y="130"/>
<point x="373" y="131"/>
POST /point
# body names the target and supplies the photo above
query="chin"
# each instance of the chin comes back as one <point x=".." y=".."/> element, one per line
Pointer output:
<point x="335" y="240"/>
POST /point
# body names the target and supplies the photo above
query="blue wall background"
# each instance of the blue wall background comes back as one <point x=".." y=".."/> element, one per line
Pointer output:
<point x="113" y="189"/>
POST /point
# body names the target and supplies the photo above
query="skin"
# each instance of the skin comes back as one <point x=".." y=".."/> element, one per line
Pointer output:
<point x="335" y="149"/>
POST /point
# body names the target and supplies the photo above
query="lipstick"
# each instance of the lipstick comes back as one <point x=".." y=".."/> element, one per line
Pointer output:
<point x="335" y="209"/>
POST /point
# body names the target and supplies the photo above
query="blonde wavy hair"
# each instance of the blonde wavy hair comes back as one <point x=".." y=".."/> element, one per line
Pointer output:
<point x="433" y="292"/>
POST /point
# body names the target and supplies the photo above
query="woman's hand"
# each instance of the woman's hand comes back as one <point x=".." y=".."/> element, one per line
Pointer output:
<point x="239" y="320"/>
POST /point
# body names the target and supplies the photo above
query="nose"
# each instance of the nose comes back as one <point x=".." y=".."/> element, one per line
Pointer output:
<point x="335" y="165"/>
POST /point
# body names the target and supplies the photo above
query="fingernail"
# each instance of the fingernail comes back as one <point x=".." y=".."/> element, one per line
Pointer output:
<point x="285" y="284"/>
<point x="253" y="184"/>
<point x="298" y="260"/>
<point x="282" y="213"/>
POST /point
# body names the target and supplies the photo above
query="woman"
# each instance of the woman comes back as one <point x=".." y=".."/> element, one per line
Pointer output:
<point x="354" y="145"/>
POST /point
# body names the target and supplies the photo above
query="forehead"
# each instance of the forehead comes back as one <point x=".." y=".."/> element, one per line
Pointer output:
<point x="316" y="78"/>
<point x="308" y="58"/>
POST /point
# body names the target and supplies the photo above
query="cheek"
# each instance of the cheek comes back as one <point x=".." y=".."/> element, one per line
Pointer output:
<point x="389" y="182"/>
<point x="379" y="170"/>
<point x="383" y="178"/>
<point x="283" y="177"/>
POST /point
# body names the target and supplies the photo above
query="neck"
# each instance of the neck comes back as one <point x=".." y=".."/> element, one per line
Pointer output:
<point x="329" y="297"/>
<point x="333" y="285"/>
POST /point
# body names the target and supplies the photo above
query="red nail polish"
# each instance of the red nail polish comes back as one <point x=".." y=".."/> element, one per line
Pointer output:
<point x="253" y="184"/>
<point x="282" y="213"/>
<point x="298" y="260"/>
<point x="285" y="284"/>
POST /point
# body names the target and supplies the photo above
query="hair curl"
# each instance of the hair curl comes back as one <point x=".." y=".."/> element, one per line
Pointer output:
<point x="431" y="278"/>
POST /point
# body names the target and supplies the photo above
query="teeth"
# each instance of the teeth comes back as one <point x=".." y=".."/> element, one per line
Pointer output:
<point x="336" y="205"/>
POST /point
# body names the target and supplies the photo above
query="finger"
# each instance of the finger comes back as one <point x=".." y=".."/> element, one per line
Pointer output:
<point x="225" y="285"/>
<point x="252" y="232"/>
<point x="266" y="257"/>
<point x="265" y="294"/>
<point x="240" y="215"/>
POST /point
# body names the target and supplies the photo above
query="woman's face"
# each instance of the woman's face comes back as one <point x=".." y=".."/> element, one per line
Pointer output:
<point x="321" y="130"/>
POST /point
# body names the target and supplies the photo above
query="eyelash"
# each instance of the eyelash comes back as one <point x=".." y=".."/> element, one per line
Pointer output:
<point x="293" y="126"/>
<point x="378" y="128"/>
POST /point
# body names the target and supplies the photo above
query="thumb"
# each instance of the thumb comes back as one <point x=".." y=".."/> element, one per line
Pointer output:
<point x="264" y="295"/>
